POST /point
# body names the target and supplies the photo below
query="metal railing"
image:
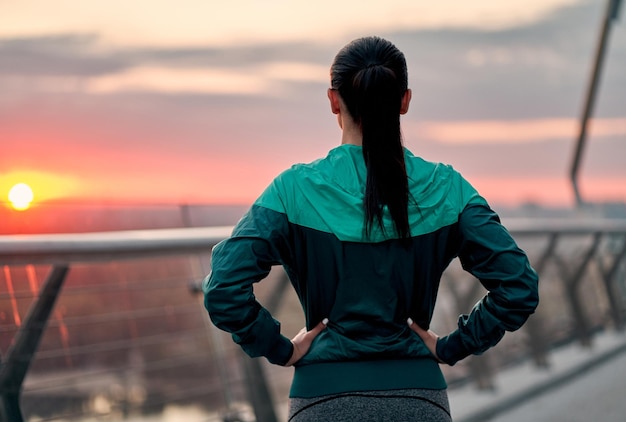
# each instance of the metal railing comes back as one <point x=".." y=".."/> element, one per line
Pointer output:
<point x="113" y="282"/>
<point x="62" y="251"/>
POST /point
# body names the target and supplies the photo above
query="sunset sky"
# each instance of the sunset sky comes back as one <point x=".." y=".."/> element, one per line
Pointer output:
<point x="205" y="102"/>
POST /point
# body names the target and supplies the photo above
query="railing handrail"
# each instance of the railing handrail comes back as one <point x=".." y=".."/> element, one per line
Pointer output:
<point x="568" y="226"/>
<point x="103" y="246"/>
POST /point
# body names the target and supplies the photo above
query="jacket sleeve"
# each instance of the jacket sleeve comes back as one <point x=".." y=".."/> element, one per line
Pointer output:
<point x="258" y="241"/>
<point x="488" y="252"/>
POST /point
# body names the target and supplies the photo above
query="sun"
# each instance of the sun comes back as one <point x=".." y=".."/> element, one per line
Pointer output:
<point x="21" y="196"/>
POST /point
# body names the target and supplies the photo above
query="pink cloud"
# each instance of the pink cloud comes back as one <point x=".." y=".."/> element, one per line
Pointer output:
<point x="512" y="131"/>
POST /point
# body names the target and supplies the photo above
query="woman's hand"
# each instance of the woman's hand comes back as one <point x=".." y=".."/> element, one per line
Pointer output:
<point x="428" y="337"/>
<point x="302" y="341"/>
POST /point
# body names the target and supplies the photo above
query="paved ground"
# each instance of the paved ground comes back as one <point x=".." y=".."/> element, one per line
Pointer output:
<point x="598" y="395"/>
<point x="581" y="385"/>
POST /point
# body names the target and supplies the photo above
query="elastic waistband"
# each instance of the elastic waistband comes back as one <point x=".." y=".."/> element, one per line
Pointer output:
<point x="320" y="379"/>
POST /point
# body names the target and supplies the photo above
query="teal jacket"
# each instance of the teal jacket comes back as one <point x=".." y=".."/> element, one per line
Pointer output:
<point x="310" y="220"/>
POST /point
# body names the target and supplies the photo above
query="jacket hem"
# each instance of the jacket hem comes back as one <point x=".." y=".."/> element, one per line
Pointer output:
<point x="320" y="379"/>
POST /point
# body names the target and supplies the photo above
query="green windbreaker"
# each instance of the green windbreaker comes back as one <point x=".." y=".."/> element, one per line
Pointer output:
<point x="310" y="220"/>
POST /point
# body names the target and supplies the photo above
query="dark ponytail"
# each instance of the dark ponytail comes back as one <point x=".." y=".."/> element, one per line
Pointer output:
<point x="370" y="75"/>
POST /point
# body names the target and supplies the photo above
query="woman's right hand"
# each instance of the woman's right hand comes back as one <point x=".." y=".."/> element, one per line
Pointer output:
<point x="303" y="340"/>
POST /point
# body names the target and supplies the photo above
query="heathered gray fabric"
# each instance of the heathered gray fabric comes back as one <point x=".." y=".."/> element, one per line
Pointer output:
<point x="412" y="405"/>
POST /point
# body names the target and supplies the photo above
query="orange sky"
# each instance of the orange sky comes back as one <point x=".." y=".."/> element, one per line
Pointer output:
<point x="215" y="178"/>
<point x="110" y="104"/>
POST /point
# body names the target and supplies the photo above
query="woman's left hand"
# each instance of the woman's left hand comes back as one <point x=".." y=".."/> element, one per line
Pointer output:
<point x="428" y="337"/>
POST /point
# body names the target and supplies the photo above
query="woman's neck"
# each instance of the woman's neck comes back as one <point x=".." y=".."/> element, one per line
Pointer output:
<point x="351" y="133"/>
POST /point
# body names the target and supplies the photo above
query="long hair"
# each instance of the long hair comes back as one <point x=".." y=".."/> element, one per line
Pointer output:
<point x="370" y="75"/>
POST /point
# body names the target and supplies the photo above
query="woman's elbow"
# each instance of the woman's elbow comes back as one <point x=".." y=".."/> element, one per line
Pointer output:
<point x="211" y="297"/>
<point x="532" y="298"/>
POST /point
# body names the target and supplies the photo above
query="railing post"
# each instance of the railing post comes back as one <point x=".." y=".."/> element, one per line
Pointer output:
<point x="610" y="14"/>
<point x="480" y="369"/>
<point x="572" y="279"/>
<point x="10" y="408"/>
<point x="537" y="338"/>
<point x="25" y="343"/>
<point x="259" y="392"/>
<point x="608" y="279"/>
<point x="257" y="388"/>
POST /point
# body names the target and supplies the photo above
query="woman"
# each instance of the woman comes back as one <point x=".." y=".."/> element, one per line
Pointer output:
<point x="364" y="235"/>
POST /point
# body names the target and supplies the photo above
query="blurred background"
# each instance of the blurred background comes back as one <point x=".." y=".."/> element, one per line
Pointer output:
<point x="143" y="115"/>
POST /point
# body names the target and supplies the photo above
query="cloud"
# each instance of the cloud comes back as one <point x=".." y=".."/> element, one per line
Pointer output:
<point x="535" y="70"/>
<point x="512" y="131"/>
<point x="79" y="64"/>
<point x="168" y="80"/>
<point x="58" y="56"/>
<point x="256" y="81"/>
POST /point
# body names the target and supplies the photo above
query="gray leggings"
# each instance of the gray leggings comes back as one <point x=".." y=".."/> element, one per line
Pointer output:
<point x="394" y="405"/>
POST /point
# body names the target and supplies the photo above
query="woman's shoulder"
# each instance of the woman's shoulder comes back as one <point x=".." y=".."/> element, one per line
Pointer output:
<point x="437" y="183"/>
<point x="430" y="175"/>
<point x="291" y="183"/>
<point x="341" y="164"/>
<point x="417" y="164"/>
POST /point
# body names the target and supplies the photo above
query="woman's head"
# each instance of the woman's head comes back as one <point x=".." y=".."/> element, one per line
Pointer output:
<point x="370" y="76"/>
<point x="369" y="73"/>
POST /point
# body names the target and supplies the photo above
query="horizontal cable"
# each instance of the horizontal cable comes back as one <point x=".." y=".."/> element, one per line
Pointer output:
<point x="61" y="381"/>
<point x="116" y="316"/>
<point x="155" y="284"/>
<point x="110" y="346"/>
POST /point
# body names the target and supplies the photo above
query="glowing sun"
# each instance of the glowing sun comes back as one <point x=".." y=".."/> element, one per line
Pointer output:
<point x="21" y="196"/>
